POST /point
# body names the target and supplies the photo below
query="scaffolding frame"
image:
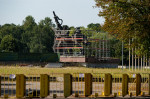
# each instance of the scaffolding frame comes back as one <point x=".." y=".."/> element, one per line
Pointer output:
<point x="68" y="43"/>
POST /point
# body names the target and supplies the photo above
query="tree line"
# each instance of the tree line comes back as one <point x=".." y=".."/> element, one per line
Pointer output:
<point x="32" y="37"/>
<point x="29" y="37"/>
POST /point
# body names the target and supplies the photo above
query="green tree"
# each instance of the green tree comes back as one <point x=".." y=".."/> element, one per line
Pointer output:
<point x="96" y="27"/>
<point x="43" y="37"/>
<point x="127" y="19"/>
<point x="116" y="50"/>
<point x="28" y="26"/>
<point x="29" y="23"/>
<point x="12" y="29"/>
<point x="29" y="37"/>
<point x="8" y="44"/>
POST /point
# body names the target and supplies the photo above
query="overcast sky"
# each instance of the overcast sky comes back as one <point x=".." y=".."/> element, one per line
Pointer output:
<point x="73" y="12"/>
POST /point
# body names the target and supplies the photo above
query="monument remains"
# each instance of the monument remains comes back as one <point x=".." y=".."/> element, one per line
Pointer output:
<point x="79" y="47"/>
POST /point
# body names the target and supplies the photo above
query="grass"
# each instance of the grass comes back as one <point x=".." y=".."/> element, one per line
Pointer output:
<point x="39" y="70"/>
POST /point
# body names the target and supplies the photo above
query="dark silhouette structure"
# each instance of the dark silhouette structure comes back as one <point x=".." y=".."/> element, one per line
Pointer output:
<point x="77" y="46"/>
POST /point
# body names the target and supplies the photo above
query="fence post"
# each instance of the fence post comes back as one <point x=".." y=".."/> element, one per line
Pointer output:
<point x="138" y="84"/>
<point x="67" y="85"/>
<point x="125" y="80"/>
<point x="108" y="84"/>
<point x="20" y="85"/>
<point x="149" y="84"/>
<point x="44" y="85"/>
<point x="0" y="85"/>
<point x="88" y="84"/>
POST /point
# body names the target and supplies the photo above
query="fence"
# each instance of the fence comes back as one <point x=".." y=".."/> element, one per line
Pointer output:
<point x="74" y="85"/>
<point x="30" y="57"/>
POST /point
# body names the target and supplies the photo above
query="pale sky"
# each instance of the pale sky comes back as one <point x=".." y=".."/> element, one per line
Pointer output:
<point x="73" y="12"/>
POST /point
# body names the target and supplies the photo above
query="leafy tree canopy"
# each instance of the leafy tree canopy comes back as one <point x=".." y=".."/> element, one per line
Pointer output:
<point x="29" y="23"/>
<point x="8" y="44"/>
<point x="29" y="37"/>
<point x="127" y="19"/>
<point x="96" y="27"/>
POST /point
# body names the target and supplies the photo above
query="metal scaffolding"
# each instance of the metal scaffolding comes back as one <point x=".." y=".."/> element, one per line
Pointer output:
<point x="83" y="44"/>
<point x="80" y="45"/>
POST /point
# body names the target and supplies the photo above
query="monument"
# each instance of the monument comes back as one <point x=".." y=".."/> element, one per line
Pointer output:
<point x="77" y="47"/>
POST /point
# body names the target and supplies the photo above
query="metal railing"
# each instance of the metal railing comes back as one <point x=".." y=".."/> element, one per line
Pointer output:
<point x="82" y="85"/>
